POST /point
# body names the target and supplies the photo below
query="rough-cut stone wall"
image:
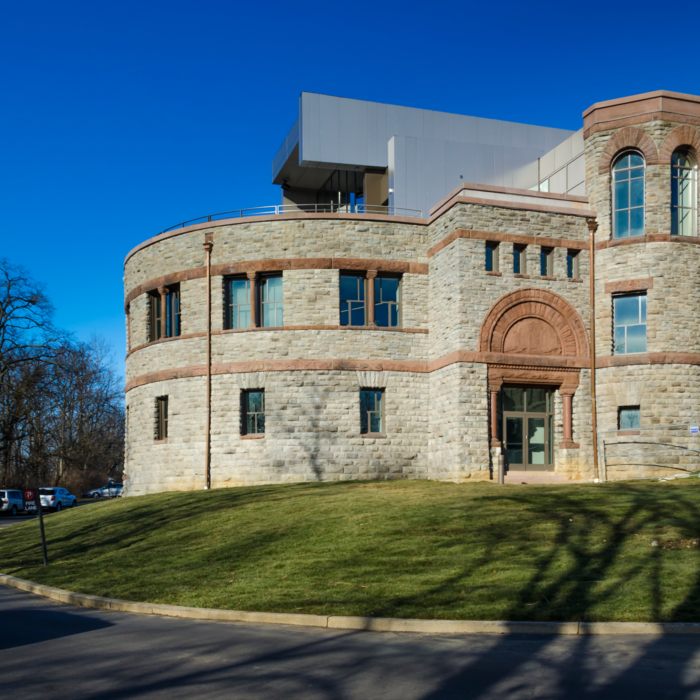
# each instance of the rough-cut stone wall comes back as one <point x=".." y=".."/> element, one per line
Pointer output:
<point x="311" y="297"/>
<point x="459" y="427"/>
<point x="177" y="464"/>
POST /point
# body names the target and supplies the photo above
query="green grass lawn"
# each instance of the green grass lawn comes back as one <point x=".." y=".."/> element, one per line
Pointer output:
<point x="397" y="549"/>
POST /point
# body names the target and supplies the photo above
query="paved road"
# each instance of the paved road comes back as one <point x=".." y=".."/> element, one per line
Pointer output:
<point x="7" y="520"/>
<point x="52" y="651"/>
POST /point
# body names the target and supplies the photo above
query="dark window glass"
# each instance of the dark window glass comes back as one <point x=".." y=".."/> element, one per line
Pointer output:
<point x="630" y="324"/>
<point x="371" y="411"/>
<point x="386" y="301"/>
<point x="154" y="312"/>
<point x="546" y="262"/>
<point x="572" y="264"/>
<point x="172" y="305"/>
<point x="513" y="398"/>
<point x="492" y="257"/>
<point x="161" y="418"/>
<point x="683" y="194"/>
<point x="352" y="300"/>
<point x="271" y="302"/>
<point x="237" y="303"/>
<point x="628" y="196"/>
<point x="519" y="260"/>
<point x="254" y="412"/>
<point x="629" y="418"/>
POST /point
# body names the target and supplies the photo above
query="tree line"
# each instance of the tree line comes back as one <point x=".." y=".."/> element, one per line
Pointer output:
<point x="61" y="403"/>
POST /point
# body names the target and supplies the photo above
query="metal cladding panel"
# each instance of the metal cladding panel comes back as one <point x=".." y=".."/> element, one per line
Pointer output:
<point x="353" y="132"/>
<point x="330" y="130"/>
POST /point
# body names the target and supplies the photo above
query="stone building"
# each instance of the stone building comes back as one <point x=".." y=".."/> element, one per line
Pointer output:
<point x="348" y="335"/>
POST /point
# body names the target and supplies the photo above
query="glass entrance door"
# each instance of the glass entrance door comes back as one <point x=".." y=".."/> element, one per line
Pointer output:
<point x="528" y="428"/>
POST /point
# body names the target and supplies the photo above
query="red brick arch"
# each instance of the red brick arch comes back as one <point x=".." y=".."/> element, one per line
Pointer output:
<point x="552" y="310"/>
<point x="684" y="135"/>
<point x="629" y="137"/>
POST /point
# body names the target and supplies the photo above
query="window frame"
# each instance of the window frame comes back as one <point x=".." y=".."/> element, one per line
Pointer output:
<point x="572" y="264"/>
<point x="361" y="276"/>
<point x="261" y="286"/>
<point x="519" y="259"/>
<point x="638" y="409"/>
<point x="381" y="392"/>
<point x="245" y="412"/>
<point x="613" y="193"/>
<point x="546" y="261"/>
<point x="228" y="303"/>
<point x="398" y="304"/>
<point x="162" y="418"/>
<point x="154" y="316"/>
<point x="492" y="256"/>
<point x="675" y="185"/>
<point x="642" y="314"/>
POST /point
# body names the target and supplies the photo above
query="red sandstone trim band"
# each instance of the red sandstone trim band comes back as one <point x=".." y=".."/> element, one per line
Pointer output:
<point x="277" y="264"/>
<point x="263" y="329"/>
<point x="629" y="286"/>
<point x="507" y="238"/>
<point x="524" y="362"/>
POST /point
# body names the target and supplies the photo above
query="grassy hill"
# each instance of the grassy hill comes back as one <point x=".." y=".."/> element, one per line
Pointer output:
<point x="396" y="549"/>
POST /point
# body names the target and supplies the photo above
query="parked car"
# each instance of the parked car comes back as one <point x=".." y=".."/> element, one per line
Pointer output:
<point x="11" y="502"/>
<point x="54" y="498"/>
<point x="111" y="490"/>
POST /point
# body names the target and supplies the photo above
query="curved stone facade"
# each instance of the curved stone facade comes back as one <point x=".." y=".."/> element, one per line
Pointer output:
<point x="465" y="333"/>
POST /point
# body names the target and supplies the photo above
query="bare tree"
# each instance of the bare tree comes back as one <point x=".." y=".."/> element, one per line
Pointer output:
<point x="61" y="407"/>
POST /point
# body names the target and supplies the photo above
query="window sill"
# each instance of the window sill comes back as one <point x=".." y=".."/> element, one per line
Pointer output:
<point x="494" y="273"/>
<point x="161" y="442"/>
<point x="624" y="433"/>
<point x="574" y="279"/>
<point x="373" y="435"/>
<point x="521" y="275"/>
<point x="549" y="277"/>
<point x="252" y="437"/>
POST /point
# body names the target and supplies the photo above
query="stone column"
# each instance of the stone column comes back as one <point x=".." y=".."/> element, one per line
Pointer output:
<point x="567" y="443"/>
<point x="495" y="442"/>
<point x="371" y="275"/>
<point x="163" y="291"/>
<point x="253" y="276"/>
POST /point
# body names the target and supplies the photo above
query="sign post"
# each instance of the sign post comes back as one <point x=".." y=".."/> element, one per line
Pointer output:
<point x="35" y="496"/>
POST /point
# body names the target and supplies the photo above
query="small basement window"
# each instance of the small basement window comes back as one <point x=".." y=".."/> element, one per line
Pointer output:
<point x="628" y="418"/>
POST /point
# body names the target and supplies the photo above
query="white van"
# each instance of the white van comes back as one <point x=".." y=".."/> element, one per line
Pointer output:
<point x="11" y="502"/>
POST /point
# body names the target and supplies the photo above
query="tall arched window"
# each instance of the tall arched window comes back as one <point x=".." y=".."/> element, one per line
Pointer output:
<point x="628" y="195"/>
<point x="684" y="196"/>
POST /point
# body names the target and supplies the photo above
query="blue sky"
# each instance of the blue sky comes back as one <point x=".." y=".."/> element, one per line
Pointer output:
<point x="120" y="119"/>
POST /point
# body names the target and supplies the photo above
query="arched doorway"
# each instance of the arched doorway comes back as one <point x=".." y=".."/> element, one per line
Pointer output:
<point x="534" y="343"/>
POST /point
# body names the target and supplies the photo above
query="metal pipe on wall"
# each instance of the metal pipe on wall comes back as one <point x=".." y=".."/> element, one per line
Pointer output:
<point x="592" y="228"/>
<point x="208" y="245"/>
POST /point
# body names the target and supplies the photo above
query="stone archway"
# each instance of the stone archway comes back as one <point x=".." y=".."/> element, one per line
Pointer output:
<point x="533" y="336"/>
<point x="629" y="137"/>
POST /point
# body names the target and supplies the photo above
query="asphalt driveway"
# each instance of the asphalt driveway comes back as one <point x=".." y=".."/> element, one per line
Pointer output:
<point x="50" y="651"/>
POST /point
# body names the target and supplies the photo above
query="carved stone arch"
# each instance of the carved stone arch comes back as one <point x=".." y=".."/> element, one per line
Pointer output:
<point x="629" y="137"/>
<point x="533" y="322"/>
<point x="684" y="135"/>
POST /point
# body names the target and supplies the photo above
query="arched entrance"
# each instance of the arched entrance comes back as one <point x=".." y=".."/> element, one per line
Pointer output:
<point x="534" y="343"/>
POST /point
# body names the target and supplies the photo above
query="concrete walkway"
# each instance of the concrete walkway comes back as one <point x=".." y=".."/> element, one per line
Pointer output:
<point x="513" y="477"/>
<point x="50" y="651"/>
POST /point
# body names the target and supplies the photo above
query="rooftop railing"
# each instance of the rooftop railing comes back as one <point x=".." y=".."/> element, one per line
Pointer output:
<point x="277" y="209"/>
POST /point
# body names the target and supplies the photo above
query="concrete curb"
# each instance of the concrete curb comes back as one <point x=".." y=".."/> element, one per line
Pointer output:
<point x="339" y="622"/>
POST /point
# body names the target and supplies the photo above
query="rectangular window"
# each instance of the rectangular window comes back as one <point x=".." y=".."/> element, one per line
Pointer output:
<point x="253" y="409"/>
<point x="547" y="262"/>
<point x="572" y="264"/>
<point x="387" y="302"/>
<point x="172" y="314"/>
<point x="154" y="316"/>
<point x="371" y="411"/>
<point x="161" y="418"/>
<point x="628" y="418"/>
<point x="352" y="300"/>
<point x="630" y="323"/>
<point x="492" y="262"/>
<point x="271" y="301"/>
<point x="237" y="302"/>
<point x="519" y="259"/>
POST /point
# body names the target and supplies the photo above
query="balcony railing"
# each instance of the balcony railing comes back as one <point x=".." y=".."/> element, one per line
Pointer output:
<point x="276" y="209"/>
